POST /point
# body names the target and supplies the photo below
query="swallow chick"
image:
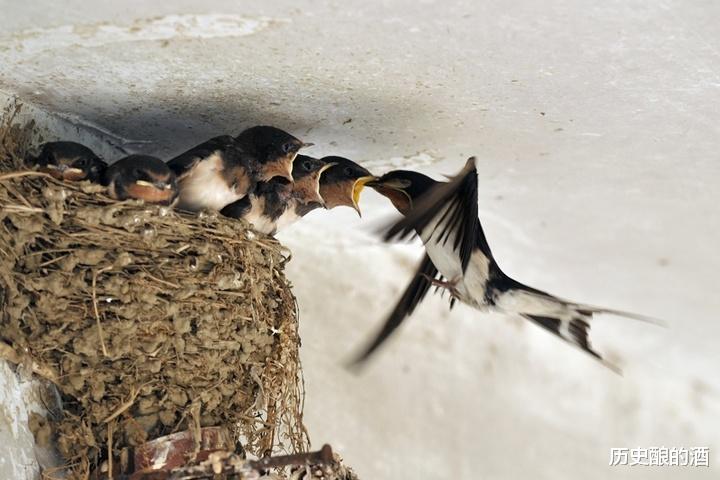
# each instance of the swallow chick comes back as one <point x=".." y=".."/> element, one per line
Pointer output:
<point x="277" y="203"/>
<point x="458" y="258"/>
<point x="141" y="177"/>
<point x="224" y="169"/>
<point x="342" y="184"/>
<point x="273" y="150"/>
<point x="69" y="161"/>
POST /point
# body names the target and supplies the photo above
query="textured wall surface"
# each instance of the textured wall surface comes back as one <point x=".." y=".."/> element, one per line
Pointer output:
<point x="18" y="397"/>
<point x="597" y="126"/>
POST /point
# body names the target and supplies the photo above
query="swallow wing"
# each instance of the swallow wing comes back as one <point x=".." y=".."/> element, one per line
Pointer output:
<point x="238" y="208"/>
<point x="410" y="299"/>
<point x="184" y="163"/>
<point x="449" y="211"/>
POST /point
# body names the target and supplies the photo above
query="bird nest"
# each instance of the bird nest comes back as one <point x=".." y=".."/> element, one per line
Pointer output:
<point x="147" y="320"/>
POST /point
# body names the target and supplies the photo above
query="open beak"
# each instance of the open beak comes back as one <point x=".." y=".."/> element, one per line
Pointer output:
<point x="357" y="189"/>
<point x="282" y="167"/>
<point x="318" y="197"/>
<point x="325" y="167"/>
<point x="307" y="190"/>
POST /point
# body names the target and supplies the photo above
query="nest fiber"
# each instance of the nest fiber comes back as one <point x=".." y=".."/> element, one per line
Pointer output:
<point x="148" y="321"/>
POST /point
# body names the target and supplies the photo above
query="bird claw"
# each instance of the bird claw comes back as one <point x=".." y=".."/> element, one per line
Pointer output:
<point x="449" y="285"/>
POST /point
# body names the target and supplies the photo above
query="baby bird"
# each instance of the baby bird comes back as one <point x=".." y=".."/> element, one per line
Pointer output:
<point x="276" y="204"/>
<point x="342" y="184"/>
<point x="69" y="161"/>
<point x="141" y="177"/>
<point x="224" y="169"/>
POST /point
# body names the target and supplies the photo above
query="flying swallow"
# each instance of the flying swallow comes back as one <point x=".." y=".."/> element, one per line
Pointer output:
<point x="224" y="169"/>
<point x="458" y="258"/>
<point x="342" y="183"/>
<point x="69" y="161"/>
<point x="276" y="204"/>
<point x="141" y="177"/>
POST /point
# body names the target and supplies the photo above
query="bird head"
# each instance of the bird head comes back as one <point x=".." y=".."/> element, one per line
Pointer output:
<point x="274" y="150"/>
<point x="402" y="187"/>
<point x="142" y="177"/>
<point x="307" y="172"/>
<point x="343" y="182"/>
<point x="70" y="161"/>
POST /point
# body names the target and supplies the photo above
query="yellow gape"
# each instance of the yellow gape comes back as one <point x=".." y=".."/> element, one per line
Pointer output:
<point x="357" y="189"/>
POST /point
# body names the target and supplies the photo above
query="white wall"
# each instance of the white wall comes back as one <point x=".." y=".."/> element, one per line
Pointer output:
<point x="597" y="124"/>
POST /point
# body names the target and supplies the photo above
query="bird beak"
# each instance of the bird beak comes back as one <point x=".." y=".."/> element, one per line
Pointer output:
<point x="282" y="167"/>
<point x="317" y="185"/>
<point x="392" y="183"/>
<point x="63" y="172"/>
<point x="56" y="171"/>
<point x="357" y="189"/>
<point x="160" y="185"/>
<point x="153" y="192"/>
<point x="74" y="174"/>
<point x="394" y="190"/>
<point x="307" y="144"/>
<point x="325" y="167"/>
<point x="319" y="176"/>
<point x="317" y="198"/>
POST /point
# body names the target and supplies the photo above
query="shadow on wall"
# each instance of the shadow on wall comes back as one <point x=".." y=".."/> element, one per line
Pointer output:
<point x="364" y="123"/>
<point x="163" y="84"/>
<point x="368" y="117"/>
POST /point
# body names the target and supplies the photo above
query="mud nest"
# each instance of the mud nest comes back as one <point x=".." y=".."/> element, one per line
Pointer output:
<point x="148" y="321"/>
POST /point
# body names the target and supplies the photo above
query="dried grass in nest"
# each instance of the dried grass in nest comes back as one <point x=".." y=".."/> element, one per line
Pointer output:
<point x="147" y="320"/>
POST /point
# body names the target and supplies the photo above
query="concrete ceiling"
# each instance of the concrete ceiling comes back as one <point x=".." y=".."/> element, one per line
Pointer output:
<point x="597" y="125"/>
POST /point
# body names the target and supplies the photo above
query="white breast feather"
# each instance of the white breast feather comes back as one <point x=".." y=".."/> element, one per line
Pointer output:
<point x="471" y="286"/>
<point x="205" y="188"/>
<point x="255" y="216"/>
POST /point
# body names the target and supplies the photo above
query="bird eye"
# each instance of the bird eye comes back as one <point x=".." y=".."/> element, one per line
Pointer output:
<point x="290" y="147"/>
<point x="348" y="171"/>
<point x="81" y="163"/>
<point x="307" y="165"/>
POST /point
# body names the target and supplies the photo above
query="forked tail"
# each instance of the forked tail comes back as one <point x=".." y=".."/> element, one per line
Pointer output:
<point x="568" y="320"/>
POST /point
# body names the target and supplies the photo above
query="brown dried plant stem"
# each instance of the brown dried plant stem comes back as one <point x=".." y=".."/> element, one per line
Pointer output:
<point x="139" y="312"/>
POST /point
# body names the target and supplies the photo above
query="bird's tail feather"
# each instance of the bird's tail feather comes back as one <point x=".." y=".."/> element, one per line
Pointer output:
<point x="568" y="320"/>
<point x="574" y="330"/>
<point x="620" y="313"/>
<point x="588" y="310"/>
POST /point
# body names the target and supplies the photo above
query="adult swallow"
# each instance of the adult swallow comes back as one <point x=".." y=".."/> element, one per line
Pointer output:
<point x="342" y="183"/>
<point x="69" y="161"/>
<point x="141" y="177"/>
<point x="445" y="216"/>
<point x="276" y="204"/>
<point x="224" y="169"/>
